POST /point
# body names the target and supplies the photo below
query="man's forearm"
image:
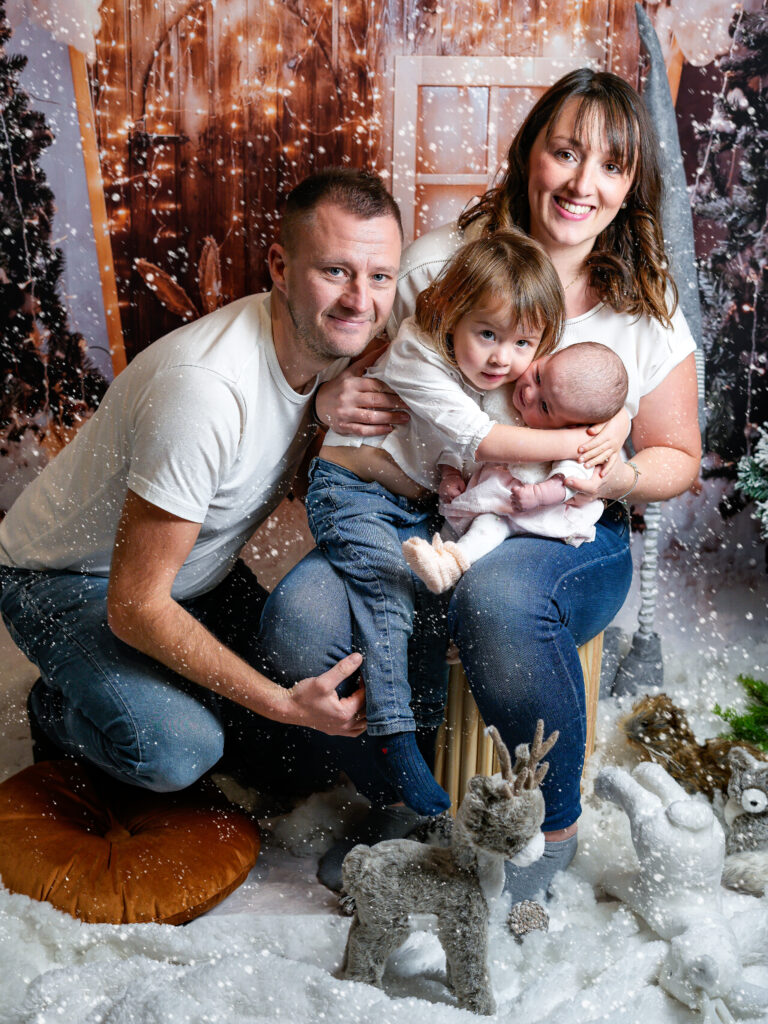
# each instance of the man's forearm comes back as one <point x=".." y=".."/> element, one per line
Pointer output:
<point x="165" y="631"/>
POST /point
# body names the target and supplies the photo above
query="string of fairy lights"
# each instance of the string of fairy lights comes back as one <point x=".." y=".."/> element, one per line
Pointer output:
<point x="183" y="134"/>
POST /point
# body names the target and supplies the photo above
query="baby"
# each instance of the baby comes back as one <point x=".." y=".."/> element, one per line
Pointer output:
<point x="582" y="384"/>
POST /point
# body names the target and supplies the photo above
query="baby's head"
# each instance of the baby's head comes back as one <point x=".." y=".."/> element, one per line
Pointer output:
<point x="579" y="385"/>
<point x="494" y="307"/>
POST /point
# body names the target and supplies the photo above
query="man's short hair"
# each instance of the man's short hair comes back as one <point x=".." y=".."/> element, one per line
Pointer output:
<point x="359" y="192"/>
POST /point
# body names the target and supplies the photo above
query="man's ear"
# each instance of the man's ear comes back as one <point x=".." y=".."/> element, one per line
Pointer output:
<point x="277" y="259"/>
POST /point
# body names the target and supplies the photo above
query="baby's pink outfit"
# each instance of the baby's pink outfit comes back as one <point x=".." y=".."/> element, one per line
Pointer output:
<point x="488" y="491"/>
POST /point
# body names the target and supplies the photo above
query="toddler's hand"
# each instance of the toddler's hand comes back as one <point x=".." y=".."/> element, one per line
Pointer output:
<point x="607" y="441"/>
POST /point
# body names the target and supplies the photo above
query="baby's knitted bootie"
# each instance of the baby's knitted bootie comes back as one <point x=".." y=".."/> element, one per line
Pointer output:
<point x="440" y="564"/>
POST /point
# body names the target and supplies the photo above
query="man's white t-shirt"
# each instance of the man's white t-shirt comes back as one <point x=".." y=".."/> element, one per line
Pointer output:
<point x="202" y="424"/>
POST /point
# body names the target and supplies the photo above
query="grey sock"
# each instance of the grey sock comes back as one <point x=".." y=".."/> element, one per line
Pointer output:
<point x="381" y="823"/>
<point x="527" y="883"/>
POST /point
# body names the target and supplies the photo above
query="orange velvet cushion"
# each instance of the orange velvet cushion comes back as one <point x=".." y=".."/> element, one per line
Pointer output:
<point x="117" y="854"/>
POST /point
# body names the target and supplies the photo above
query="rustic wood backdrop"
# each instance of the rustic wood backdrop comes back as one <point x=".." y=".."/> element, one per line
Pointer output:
<point x="207" y="113"/>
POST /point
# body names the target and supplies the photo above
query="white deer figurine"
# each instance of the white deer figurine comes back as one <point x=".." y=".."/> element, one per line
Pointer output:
<point x="499" y="819"/>
<point x="681" y="848"/>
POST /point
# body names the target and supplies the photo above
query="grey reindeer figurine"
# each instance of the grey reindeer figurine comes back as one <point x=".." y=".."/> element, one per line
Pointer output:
<point x="499" y="819"/>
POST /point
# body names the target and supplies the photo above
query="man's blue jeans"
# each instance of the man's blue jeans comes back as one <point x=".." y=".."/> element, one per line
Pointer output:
<point x="140" y="723"/>
<point x="360" y="528"/>
<point x="134" y="718"/>
<point x="517" y="616"/>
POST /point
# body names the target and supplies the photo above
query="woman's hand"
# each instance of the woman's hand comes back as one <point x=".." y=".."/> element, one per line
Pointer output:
<point x="608" y="440"/>
<point x="354" y="404"/>
<point x="616" y="482"/>
<point x="452" y="484"/>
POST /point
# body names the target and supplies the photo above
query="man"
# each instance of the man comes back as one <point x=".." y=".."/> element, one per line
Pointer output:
<point x="118" y="566"/>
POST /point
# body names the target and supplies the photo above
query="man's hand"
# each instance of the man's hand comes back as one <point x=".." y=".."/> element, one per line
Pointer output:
<point x="150" y="547"/>
<point x="607" y="441"/>
<point x="529" y="497"/>
<point x="315" y="703"/>
<point x="452" y="484"/>
<point x="354" y="404"/>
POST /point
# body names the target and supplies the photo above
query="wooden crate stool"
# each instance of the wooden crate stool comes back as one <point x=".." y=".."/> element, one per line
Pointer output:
<point x="464" y="750"/>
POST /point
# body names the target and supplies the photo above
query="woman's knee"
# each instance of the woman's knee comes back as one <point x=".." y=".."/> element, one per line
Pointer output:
<point x="488" y="604"/>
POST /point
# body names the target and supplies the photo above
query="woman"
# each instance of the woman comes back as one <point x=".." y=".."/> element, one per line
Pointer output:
<point x="583" y="179"/>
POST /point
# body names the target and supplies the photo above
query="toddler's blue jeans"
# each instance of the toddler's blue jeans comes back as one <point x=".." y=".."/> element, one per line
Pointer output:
<point x="360" y="528"/>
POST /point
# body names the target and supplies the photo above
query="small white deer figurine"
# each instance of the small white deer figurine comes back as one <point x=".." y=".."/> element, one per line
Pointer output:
<point x="499" y="819"/>
<point x="680" y="850"/>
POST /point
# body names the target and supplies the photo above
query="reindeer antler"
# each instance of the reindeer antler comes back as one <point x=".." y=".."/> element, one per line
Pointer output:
<point x="502" y="753"/>
<point x="527" y="774"/>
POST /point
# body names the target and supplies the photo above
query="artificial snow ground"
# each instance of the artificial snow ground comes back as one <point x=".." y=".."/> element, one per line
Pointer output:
<point x="272" y="950"/>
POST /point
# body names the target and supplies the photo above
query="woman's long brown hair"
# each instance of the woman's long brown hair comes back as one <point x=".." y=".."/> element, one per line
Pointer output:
<point x="628" y="267"/>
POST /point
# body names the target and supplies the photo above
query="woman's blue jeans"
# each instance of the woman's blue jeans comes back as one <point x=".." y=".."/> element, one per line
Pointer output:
<point x="517" y="616"/>
<point x="360" y="527"/>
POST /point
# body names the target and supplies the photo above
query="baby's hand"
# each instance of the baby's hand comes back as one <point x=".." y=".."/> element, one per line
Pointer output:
<point x="529" y="497"/>
<point x="452" y="484"/>
<point x="607" y="441"/>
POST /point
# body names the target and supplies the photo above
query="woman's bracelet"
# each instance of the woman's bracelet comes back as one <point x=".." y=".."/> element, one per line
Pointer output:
<point x="634" y="482"/>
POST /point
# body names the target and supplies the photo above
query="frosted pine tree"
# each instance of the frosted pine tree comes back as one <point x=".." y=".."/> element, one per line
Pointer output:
<point x="48" y="382"/>
<point x="752" y="479"/>
<point x="732" y="194"/>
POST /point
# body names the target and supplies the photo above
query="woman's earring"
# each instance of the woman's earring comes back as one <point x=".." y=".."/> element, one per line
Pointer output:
<point x="624" y="205"/>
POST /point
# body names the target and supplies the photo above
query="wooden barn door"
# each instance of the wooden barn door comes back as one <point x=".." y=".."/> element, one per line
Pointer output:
<point x="209" y="112"/>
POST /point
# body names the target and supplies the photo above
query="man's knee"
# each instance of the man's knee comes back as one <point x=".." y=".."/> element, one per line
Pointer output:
<point x="305" y="626"/>
<point x="147" y="752"/>
<point x="170" y="765"/>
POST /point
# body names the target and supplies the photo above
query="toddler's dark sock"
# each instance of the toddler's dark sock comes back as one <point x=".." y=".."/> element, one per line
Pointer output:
<point x="401" y="761"/>
<point x="426" y="740"/>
